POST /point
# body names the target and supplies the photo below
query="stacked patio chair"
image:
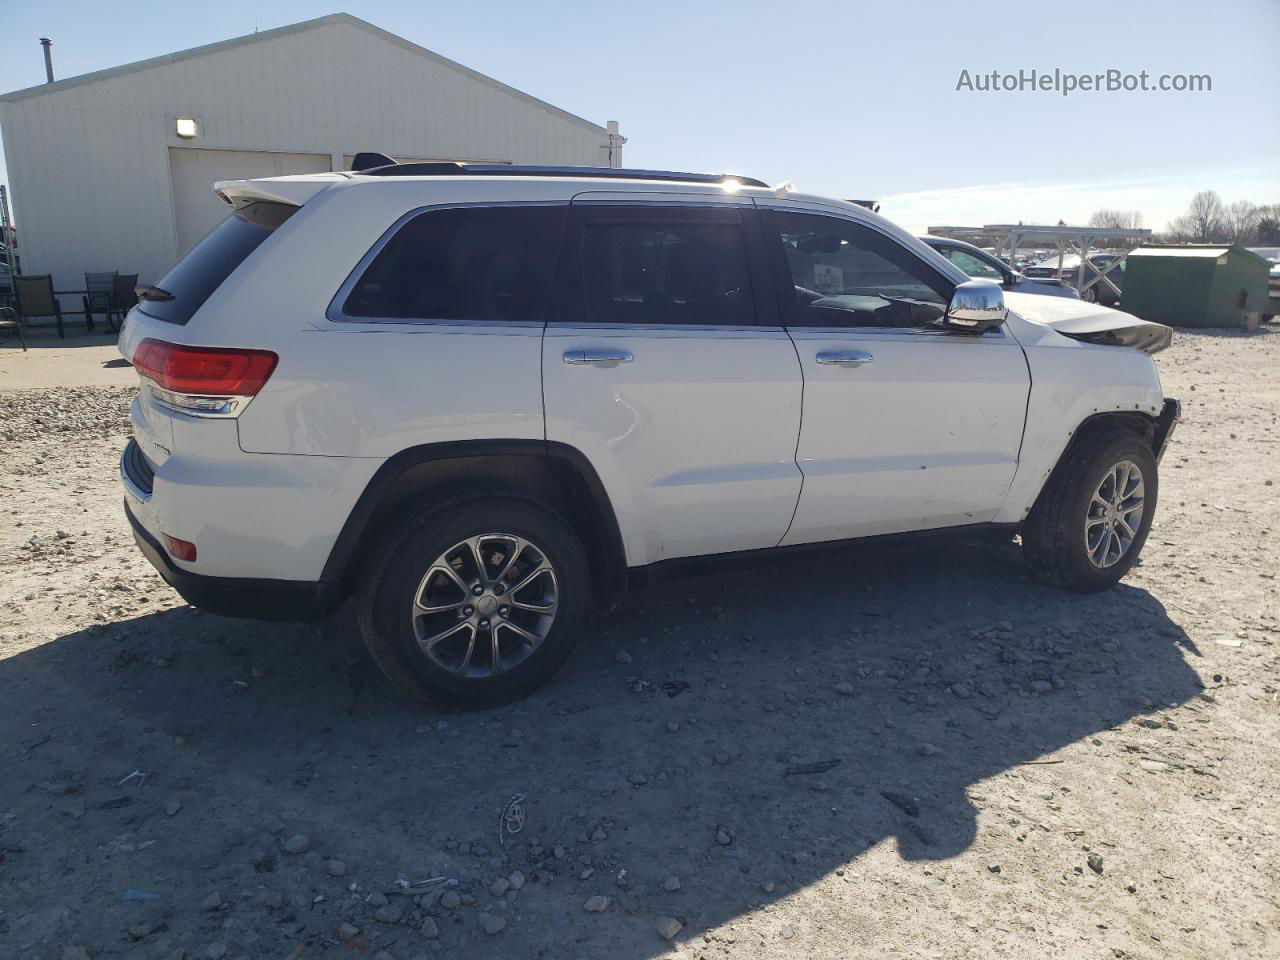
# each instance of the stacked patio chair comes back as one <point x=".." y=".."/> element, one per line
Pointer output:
<point x="33" y="297"/>
<point x="98" y="290"/>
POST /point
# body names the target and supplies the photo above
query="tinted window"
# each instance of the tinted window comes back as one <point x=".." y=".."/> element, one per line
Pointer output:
<point x="213" y="259"/>
<point x="470" y="264"/>
<point x="670" y="267"/>
<point x="846" y="275"/>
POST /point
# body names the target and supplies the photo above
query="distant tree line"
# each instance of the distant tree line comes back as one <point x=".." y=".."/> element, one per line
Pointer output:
<point x="1207" y="220"/>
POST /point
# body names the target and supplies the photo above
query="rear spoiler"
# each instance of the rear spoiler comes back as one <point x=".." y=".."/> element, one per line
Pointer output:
<point x="294" y="191"/>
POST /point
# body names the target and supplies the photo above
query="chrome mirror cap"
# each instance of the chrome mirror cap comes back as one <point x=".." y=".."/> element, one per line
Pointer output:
<point x="976" y="306"/>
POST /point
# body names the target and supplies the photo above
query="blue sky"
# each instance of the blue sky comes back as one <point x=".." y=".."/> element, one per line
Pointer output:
<point x="849" y="99"/>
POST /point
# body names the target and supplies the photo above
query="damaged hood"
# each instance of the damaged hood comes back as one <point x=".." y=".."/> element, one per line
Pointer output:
<point x="1090" y="322"/>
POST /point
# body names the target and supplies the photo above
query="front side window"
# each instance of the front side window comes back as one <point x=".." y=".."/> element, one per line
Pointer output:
<point x="847" y="275"/>
<point x="973" y="266"/>
<point x="665" y="267"/>
<point x="470" y="264"/>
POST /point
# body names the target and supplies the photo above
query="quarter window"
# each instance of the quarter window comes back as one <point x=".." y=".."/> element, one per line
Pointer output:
<point x="665" y="267"/>
<point x="471" y="264"/>
<point x="846" y="275"/>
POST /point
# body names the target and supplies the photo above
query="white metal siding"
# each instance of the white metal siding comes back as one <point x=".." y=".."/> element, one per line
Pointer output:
<point x="196" y="208"/>
<point x="89" y="163"/>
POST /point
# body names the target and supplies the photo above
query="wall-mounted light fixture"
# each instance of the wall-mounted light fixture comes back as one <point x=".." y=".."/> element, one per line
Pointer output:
<point x="186" y="128"/>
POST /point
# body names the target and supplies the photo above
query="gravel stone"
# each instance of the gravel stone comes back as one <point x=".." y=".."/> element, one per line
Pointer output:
<point x="298" y="843"/>
<point x="668" y="927"/>
<point x="596" y="904"/>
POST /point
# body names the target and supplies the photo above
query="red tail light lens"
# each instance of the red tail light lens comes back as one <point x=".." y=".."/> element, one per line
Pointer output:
<point x="180" y="549"/>
<point x="213" y="371"/>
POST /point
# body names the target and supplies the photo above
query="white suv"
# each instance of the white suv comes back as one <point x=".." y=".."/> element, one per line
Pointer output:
<point x="481" y="399"/>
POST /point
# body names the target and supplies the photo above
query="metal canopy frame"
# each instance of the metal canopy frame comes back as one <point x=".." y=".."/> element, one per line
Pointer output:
<point x="1006" y="238"/>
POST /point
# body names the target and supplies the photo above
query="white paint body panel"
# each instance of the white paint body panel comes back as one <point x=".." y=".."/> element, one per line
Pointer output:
<point x="695" y="440"/>
<point x="924" y="436"/>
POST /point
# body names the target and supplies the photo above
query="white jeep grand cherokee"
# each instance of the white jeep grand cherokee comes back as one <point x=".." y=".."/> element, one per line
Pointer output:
<point x="482" y="398"/>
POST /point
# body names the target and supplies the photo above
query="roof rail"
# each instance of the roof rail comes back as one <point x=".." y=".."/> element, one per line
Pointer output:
<point x="449" y="168"/>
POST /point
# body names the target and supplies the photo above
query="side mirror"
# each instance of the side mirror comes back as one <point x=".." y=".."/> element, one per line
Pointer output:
<point x="976" y="307"/>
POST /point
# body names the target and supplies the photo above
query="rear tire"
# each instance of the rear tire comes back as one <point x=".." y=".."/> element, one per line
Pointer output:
<point x="1091" y="520"/>
<point x="440" y="617"/>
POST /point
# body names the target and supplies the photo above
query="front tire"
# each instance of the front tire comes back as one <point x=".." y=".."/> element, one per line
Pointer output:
<point x="474" y="602"/>
<point x="1090" y="522"/>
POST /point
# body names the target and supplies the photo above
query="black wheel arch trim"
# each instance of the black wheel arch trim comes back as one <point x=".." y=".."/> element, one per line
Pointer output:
<point x="346" y="548"/>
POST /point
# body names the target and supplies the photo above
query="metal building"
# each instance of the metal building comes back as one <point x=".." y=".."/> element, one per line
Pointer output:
<point x="113" y="170"/>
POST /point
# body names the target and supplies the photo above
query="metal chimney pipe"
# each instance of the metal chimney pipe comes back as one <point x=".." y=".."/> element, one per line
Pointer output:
<point x="48" y="58"/>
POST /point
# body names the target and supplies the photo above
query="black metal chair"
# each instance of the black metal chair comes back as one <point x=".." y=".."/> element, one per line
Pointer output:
<point x="9" y="319"/>
<point x="33" y="297"/>
<point x="98" y="289"/>
<point x="123" y="299"/>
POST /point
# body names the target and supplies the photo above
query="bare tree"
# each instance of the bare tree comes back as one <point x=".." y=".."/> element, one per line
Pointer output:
<point x="1116" y="219"/>
<point x="1203" y="221"/>
<point x="1240" y="221"/>
<point x="1268" y="225"/>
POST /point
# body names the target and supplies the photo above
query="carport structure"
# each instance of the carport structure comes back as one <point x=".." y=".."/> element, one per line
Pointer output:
<point x="1005" y="239"/>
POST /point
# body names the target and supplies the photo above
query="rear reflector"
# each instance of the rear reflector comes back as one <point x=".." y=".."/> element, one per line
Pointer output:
<point x="204" y="371"/>
<point x="180" y="549"/>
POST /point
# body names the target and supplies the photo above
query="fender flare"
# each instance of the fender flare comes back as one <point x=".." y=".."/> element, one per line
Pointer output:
<point x="360" y="521"/>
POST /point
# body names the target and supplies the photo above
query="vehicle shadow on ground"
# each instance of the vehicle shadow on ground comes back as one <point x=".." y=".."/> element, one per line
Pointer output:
<point x="670" y="745"/>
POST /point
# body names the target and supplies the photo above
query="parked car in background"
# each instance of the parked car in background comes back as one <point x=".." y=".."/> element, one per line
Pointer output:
<point x="1048" y="269"/>
<point x="981" y="265"/>
<point x="482" y="399"/>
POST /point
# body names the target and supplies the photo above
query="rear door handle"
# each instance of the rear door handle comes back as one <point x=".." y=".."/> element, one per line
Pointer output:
<point x="601" y="357"/>
<point x="844" y="358"/>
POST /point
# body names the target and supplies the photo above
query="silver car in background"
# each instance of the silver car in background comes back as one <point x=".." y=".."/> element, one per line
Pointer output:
<point x="981" y="265"/>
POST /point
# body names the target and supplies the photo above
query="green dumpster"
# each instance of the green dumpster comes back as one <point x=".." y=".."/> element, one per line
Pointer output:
<point x="1196" y="285"/>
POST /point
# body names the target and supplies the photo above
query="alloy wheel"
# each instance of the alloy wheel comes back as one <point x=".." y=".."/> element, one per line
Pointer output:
<point x="485" y="605"/>
<point x="1115" y="514"/>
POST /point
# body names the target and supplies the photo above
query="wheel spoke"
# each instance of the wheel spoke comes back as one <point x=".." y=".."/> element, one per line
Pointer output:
<point x="477" y="556"/>
<point x="427" y="643"/>
<point x="1099" y="554"/>
<point x="1122" y="520"/>
<point x="543" y="567"/>
<point x="548" y="607"/>
<point x="420" y="603"/>
<point x="531" y="638"/>
<point x="471" y="649"/>
<point x="511" y="560"/>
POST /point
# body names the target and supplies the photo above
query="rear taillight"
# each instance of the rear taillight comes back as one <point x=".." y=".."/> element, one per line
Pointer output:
<point x="206" y="381"/>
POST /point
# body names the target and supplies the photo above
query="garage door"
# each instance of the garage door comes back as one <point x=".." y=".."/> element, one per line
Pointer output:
<point x="193" y="172"/>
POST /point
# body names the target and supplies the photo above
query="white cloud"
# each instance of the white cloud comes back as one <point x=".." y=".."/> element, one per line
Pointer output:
<point x="1158" y="197"/>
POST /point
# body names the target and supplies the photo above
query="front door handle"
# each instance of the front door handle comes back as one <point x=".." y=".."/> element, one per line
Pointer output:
<point x="844" y="358"/>
<point x="601" y="357"/>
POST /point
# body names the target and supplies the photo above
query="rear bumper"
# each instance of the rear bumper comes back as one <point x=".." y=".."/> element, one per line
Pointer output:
<point x="294" y="601"/>
<point x="1165" y="424"/>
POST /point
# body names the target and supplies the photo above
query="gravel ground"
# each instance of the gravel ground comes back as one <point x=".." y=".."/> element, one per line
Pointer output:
<point x="924" y="756"/>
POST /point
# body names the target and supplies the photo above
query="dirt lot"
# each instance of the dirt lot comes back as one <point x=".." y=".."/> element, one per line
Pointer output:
<point x="1021" y="772"/>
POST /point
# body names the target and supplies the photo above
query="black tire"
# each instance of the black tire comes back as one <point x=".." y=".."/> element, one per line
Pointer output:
<point x="408" y="549"/>
<point x="1053" y="535"/>
<point x="1090" y="295"/>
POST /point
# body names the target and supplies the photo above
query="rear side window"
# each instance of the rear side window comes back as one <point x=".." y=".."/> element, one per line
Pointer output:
<point x="194" y="278"/>
<point x="664" y="266"/>
<point x="471" y="264"/>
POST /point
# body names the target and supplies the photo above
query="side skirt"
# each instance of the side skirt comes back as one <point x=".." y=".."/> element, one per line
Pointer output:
<point x="682" y="567"/>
